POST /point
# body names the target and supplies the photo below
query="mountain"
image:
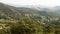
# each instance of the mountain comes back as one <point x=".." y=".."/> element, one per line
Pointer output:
<point x="36" y="13"/>
<point x="10" y="12"/>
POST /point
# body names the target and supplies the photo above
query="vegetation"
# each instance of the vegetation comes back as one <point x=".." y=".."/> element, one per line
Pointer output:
<point x="21" y="20"/>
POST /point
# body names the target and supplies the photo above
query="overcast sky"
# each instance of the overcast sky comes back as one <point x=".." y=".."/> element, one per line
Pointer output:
<point x="48" y="3"/>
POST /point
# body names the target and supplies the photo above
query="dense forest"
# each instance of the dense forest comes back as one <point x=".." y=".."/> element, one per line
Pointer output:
<point x="23" y="20"/>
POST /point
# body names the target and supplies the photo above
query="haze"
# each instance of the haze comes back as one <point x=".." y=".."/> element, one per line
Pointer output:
<point x="48" y="3"/>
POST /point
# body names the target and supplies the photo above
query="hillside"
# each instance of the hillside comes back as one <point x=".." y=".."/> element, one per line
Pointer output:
<point x="16" y="13"/>
<point x="8" y="12"/>
<point x="27" y="20"/>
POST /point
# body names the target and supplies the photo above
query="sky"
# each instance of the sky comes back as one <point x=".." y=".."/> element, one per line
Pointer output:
<point x="48" y="3"/>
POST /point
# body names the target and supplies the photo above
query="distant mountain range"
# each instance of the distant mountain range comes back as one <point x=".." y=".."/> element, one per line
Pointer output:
<point x="11" y="12"/>
<point x="16" y="13"/>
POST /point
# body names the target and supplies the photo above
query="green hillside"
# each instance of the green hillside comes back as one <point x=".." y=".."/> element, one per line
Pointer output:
<point x="24" y="20"/>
